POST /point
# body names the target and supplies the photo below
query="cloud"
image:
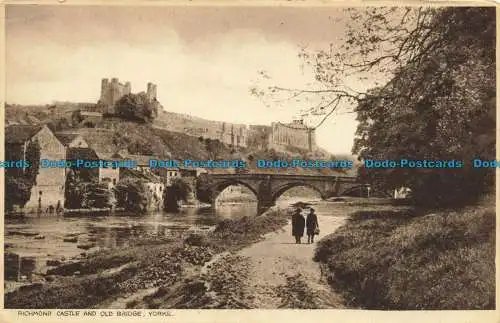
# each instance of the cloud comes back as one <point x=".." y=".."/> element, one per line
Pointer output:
<point x="209" y="77"/>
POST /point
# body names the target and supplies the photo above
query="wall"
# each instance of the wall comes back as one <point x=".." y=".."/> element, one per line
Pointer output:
<point x="294" y="134"/>
<point x="78" y="142"/>
<point x="228" y="133"/>
<point x="50" y="181"/>
<point x="109" y="174"/>
<point x="114" y="91"/>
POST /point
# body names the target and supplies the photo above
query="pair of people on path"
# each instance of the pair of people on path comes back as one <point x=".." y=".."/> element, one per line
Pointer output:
<point x="299" y="224"/>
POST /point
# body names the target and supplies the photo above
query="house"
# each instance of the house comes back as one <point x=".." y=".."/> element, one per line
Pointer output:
<point x="142" y="162"/>
<point x="72" y="140"/>
<point x="50" y="182"/>
<point x="153" y="185"/>
<point x="86" y="174"/>
<point x="109" y="175"/>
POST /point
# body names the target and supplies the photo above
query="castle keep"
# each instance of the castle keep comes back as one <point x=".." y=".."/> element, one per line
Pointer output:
<point x="114" y="91"/>
<point x="278" y="136"/>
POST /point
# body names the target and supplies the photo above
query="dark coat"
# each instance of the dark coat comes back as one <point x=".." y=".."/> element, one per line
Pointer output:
<point x="311" y="223"/>
<point x="298" y="225"/>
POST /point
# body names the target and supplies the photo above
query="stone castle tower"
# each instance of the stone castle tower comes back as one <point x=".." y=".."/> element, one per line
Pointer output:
<point x="295" y="134"/>
<point x="112" y="91"/>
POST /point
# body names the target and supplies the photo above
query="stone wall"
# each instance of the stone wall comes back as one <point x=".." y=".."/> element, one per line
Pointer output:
<point x="294" y="134"/>
<point x="112" y="91"/>
<point x="50" y="182"/>
<point x="229" y="133"/>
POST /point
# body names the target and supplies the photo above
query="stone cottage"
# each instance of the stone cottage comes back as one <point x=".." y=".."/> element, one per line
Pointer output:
<point x="50" y="182"/>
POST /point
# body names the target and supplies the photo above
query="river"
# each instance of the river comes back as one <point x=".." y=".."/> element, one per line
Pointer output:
<point x="39" y="239"/>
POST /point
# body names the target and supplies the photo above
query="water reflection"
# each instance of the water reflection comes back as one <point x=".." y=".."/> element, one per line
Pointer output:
<point x="38" y="239"/>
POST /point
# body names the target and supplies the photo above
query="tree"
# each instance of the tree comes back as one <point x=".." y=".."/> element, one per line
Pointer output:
<point x="214" y="148"/>
<point x="20" y="184"/>
<point x="137" y="107"/>
<point x="131" y="195"/>
<point x="76" y="118"/>
<point x="178" y="191"/>
<point x="96" y="195"/>
<point x="204" y="187"/>
<point x="18" y="191"/>
<point x="33" y="157"/>
<point x="432" y="97"/>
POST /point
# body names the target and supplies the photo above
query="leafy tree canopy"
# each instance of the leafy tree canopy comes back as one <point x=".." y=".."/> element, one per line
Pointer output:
<point x="432" y="94"/>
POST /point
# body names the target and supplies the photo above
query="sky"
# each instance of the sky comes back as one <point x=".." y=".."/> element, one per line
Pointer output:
<point x="204" y="60"/>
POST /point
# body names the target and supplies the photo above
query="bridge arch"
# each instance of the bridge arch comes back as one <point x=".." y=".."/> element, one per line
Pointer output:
<point x="281" y="190"/>
<point x="220" y="187"/>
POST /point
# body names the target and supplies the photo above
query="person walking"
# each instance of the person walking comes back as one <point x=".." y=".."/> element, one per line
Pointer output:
<point x="312" y="226"/>
<point x="298" y="226"/>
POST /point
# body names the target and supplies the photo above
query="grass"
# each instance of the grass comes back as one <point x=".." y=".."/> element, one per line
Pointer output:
<point x="409" y="261"/>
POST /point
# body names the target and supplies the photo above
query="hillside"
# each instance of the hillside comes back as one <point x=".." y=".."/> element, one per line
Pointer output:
<point x="114" y="134"/>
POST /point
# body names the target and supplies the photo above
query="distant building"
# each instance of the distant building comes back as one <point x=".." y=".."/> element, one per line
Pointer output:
<point x="72" y="140"/>
<point x="142" y="162"/>
<point x="295" y="134"/>
<point x="107" y="175"/>
<point x="91" y="117"/>
<point x="112" y="91"/>
<point x="233" y="134"/>
<point x="402" y="193"/>
<point x="50" y="182"/>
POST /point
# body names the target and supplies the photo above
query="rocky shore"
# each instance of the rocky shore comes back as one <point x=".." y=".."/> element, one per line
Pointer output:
<point x="155" y="272"/>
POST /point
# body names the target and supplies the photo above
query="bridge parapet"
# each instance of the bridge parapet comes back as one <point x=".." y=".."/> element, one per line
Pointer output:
<point x="269" y="187"/>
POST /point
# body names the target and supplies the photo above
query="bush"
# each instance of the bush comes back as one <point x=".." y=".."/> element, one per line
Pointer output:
<point x="131" y="195"/>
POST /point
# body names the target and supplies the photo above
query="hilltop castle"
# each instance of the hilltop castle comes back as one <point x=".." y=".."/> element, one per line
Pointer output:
<point x="114" y="91"/>
<point x="295" y="134"/>
<point x="279" y="135"/>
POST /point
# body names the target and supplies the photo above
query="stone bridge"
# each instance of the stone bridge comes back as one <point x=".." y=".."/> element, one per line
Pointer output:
<point x="269" y="187"/>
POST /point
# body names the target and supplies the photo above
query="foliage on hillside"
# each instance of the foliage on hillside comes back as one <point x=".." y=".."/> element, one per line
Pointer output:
<point x="137" y="107"/>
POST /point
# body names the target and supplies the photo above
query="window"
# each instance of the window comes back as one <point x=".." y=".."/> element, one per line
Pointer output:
<point x="114" y="181"/>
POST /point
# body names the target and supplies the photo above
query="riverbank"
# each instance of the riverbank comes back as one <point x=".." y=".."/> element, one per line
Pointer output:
<point x="270" y="274"/>
<point x="407" y="261"/>
<point x="148" y="264"/>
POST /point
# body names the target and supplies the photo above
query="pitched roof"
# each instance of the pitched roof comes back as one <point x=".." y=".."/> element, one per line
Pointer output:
<point x="142" y="160"/>
<point x="109" y="156"/>
<point x="19" y="134"/>
<point x="66" y="138"/>
<point x="82" y="153"/>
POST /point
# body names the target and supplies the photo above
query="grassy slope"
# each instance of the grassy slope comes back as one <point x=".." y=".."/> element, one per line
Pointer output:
<point x="444" y="260"/>
<point x="150" y="140"/>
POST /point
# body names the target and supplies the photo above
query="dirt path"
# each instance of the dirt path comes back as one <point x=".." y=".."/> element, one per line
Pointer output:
<point x="278" y="269"/>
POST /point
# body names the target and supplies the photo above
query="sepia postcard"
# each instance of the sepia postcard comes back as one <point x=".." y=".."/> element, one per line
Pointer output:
<point x="239" y="161"/>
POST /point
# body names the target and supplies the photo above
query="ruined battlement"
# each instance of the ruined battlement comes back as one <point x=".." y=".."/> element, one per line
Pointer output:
<point x="295" y="134"/>
<point x="112" y="91"/>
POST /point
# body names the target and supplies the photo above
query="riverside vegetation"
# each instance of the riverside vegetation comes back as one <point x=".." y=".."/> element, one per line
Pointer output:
<point x="414" y="260"/>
